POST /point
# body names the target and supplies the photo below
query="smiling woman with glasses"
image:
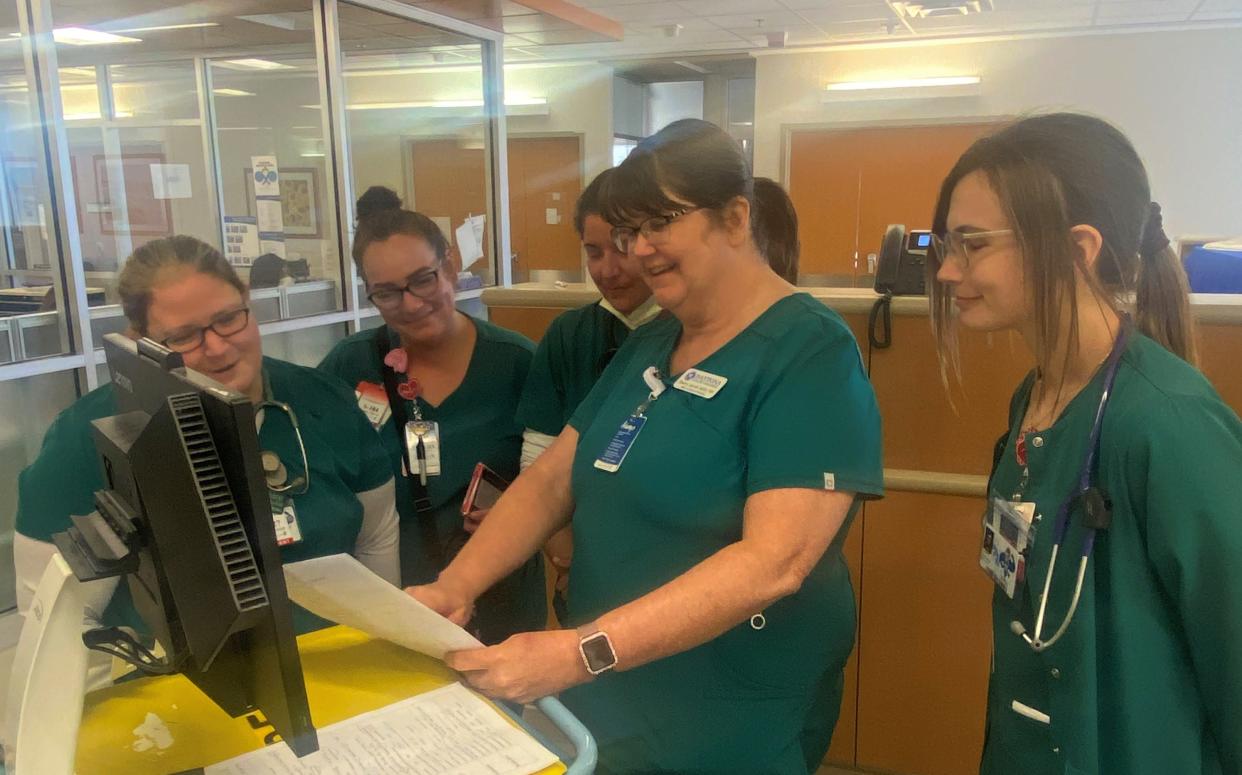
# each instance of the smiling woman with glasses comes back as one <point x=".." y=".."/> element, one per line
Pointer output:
<point x="710" y="477"/>
<point x="443" y="389"/>
<point x="330" y="488"/>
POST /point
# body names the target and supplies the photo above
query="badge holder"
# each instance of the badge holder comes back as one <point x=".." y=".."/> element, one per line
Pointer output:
<point x="422" y="444"/>
<point x="1008" y="534"/>
<point x="613" y="456"/>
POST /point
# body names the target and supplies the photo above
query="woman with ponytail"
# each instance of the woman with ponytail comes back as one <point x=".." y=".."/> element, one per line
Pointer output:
<point x="1128" y="658"/>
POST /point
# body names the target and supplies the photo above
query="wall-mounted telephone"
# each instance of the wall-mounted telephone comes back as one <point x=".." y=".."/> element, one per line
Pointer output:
<point x="902" y="265"/>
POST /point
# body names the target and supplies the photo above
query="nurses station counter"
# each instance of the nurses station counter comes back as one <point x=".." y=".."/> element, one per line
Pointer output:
<point x="915" y="687"/>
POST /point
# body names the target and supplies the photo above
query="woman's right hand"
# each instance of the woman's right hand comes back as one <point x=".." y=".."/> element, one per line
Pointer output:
<point x="445" y="600"/>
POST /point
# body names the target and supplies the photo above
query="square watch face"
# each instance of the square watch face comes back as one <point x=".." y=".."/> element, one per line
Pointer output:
<point x="598" y="652"/>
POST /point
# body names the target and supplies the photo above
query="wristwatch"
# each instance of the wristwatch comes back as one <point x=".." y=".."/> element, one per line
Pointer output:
<point x="596" y="649"/>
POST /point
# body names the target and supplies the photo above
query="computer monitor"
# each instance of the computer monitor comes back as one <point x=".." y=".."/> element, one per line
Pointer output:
<point x="185" y="516"/>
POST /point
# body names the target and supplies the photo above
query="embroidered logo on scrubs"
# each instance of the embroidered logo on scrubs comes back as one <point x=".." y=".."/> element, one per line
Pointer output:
<point x="700" y="383"/>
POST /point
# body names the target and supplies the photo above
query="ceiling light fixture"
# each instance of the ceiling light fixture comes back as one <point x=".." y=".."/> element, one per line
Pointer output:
<point x="81" y="36"/>
<point x="253" y="64"/>
<point x="903" y="83"/>
<point x="163" y="27"/>
<point x="232" y="93"/>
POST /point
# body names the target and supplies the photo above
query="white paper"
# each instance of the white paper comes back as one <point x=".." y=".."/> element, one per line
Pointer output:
<point x="551" y="216"/>
<point x="266" y="175"/>
<point x="445" y="224"/>
<point x="470" y="241"/>
<point x="271" y="216"/>
<point x="272" y="246"/>
<point x="343" y="590"/>
<point x="171" y="181"/>
<point x="446" y="731"/>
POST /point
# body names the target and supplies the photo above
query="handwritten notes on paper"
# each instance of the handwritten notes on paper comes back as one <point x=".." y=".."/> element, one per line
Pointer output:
<point x="447" y="731"/>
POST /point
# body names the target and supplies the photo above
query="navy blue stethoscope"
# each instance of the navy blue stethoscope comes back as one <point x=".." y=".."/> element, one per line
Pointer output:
<point x="1096" y="510"/>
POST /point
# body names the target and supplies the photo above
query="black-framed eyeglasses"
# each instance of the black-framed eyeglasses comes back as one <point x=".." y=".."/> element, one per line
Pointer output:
<point x="654" y="230"/>
<point x="228" y="323"/>
<point x="420" y="286"/>
<point x="963" y="245"/>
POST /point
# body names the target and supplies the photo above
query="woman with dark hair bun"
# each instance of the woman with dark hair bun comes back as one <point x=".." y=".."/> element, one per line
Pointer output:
<point x="711" y="476"/>
<point x="442" y="389"/>
<point x="1112" y="530"/>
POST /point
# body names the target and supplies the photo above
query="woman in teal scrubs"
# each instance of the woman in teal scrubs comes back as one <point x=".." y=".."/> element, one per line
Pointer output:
<point x="1046" y="228"/>
<point x="577" y="347"/>
<point x="711" y="476"/>
<point x="458" y="377"/>
<point x="183" y="293"/>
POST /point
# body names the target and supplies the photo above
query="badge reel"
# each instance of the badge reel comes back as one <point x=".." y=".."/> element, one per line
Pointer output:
<point x="422" y="444"/>
<point x="1008" y="533"/>
<point x="284" y="514"/>
<point x="619" y="446"/>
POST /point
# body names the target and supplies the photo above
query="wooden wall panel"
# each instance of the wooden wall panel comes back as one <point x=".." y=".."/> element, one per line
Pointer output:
<point x="925" y="636"/>
<point x="922" y="430"/>
<point x="1220" y="354"/>
<point x="529" y="321"/>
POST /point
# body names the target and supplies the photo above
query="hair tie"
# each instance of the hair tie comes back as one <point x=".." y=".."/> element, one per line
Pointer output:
<point x="1154" y="239"/>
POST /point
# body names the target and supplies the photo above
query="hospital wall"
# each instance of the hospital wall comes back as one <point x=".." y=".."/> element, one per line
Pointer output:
<point x="1177" y="94"/>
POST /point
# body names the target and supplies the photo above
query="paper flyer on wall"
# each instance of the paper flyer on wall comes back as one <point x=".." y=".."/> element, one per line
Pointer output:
<point x="266" y="176"/>
<point x="241" y="239"/>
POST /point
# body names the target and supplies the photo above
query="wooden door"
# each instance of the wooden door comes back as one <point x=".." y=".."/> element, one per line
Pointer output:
<point x="849" y="184"/>
<point x="545" y="180"/>
<point x="450" y="182"/>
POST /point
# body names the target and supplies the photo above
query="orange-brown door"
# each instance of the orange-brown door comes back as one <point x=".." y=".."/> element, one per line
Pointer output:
<point x="545" y="179"/>
<point x="849" y="184"/>
<point x="450" y="181"/>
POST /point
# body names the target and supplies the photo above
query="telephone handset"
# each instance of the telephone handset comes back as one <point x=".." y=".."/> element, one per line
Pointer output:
<point x="901" y="269"/>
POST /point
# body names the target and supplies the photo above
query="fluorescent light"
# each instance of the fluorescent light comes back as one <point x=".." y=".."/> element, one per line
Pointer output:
<point x="313" y="155"/>
<point x="194" y="25"/>
<point x="253" y="64"/>
<point x="509" y="102"/>
<point x="232" y="93"/>
<point x="95" y="116"/>
<point x="81" y="36"/>
<point x="904" y="83"/>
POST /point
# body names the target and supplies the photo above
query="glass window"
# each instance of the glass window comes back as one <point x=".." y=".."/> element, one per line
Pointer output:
<point x="417" y="124"/>
<point x="30" y="287"/>
<point x="275" y="171"/>
<point x="29" y="406"/>
<point x="305" y="346"/>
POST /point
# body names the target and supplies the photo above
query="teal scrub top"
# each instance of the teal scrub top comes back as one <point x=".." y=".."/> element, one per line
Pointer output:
<point x="342" y="448"/>
<point x="797" y="411"/>
<point x="476" y="425"/>
<point x="1147" y="680"/>
<point x="572" y="355"/>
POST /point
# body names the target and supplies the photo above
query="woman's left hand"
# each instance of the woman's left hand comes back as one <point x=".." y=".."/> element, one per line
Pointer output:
<point x="525" y="667"/>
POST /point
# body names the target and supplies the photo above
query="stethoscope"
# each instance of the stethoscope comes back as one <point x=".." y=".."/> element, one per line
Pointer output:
<point x="274" y="471"/>
<point x="1096" y="511"/>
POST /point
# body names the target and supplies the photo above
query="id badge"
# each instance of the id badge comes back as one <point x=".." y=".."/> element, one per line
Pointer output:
<point x="614" y="454"/>
<point x="1008" y="530"/>
<point x="285" y="519"/>
<point x="422" y="444"/>
<point x="373" y="402"/>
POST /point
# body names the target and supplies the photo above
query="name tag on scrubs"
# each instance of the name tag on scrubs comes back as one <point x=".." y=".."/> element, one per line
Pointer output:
<point x="373" y="402"/>
<point x="1007" y="530"/>
<point x="619" y="446"/>
<point x="285" y="519"/>
<point x="700" y="383"/>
